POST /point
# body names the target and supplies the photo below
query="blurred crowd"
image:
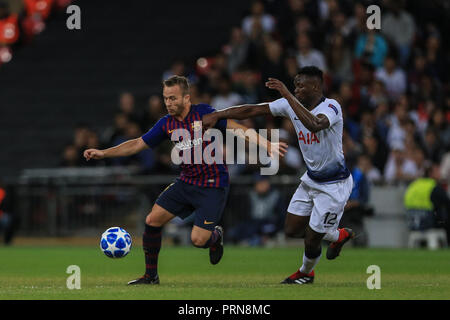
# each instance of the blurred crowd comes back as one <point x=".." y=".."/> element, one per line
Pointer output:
<point x="392" y="84"/>
<point x="22" y="20"/>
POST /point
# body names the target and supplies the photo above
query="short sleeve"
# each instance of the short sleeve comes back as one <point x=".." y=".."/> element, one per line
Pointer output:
<point x="332" y="111"/>
<point x="156" y="134"/>
<point x="280" y="107"/>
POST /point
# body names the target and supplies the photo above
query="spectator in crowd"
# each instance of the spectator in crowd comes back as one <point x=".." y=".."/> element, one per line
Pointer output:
<point x="377" y="94"/>
<point x="308" y="56"/>
<point x="290" y="70"/>
<point x="382" y="120"/>
<point x="117" y="129"/>
<point x="432" y="145"/>
<point x="357" y="23"/>
<point x="418" y="156"/>
<point x="93" y="142"/>
<point x="398" y="26"/>
<point x="154" y="111"/>
<point x="371" y="46"/>
<point x="371" y="173"/>
<point x="236" y="49"/>
<point x="415" y="73"/>
<point x="435" y="58"/>
<point x="247" y="86"/>
<point x="364" y="74"/>
<point x="292" y="162"/>
<point x="393" y="77"/>
<point x="399" y="168"/>
<point x="396" y="134"/>
<point x="177" y="68"/>
<point x="258" y="18"/>
<point x="445" y="169"/>
<point x="293" y="16"/>
<point x="127" y="105"/>
<point x="225" y="97"/>
<point x="438" y="122"/>
<point x="70" y="157"/>
<point x="145" y="160"/>
<point x="80" y="136"/>
<point x="265" y="215"/>
<point x="377" y="150"/>
<point x="339" y="59"/>
<point x="357" y="205"/>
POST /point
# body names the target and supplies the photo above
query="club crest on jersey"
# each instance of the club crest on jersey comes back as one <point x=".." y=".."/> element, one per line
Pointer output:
<point x="196" y="125"/>
<point x="310" y="137"/>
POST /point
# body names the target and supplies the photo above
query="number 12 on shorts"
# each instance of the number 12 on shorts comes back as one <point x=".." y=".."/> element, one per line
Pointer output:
<point x="330" y="219"/>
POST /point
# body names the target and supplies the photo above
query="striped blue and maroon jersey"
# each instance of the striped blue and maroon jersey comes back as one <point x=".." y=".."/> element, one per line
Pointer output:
<point x="203" y="175"/>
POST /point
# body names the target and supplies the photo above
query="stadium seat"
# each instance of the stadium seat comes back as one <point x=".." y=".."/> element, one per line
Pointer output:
<point x="434" y="238"/>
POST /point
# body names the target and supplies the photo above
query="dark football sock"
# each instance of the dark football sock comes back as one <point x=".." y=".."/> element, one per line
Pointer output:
<point x="212" y="240"/>
<point x="151" y="243"/>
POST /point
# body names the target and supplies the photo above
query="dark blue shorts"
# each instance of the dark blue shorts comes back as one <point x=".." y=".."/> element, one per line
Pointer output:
<point x="183" y="199"/>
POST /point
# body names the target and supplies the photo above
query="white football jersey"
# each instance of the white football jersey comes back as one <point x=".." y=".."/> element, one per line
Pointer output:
<point x="322" y="151"/>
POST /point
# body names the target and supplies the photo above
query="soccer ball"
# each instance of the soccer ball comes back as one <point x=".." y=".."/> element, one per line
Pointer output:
<point x="115" y="242"/>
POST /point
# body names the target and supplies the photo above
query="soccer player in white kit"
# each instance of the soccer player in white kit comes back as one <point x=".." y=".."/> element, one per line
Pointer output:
<point x="318" y="203"/>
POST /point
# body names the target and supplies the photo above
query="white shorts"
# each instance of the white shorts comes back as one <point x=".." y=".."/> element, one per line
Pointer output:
<point x="323" y="202"/>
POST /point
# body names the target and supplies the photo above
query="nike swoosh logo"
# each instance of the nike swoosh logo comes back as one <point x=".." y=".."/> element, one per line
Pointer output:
<point x="207" y="222"/>
<point x="170" y="131"/>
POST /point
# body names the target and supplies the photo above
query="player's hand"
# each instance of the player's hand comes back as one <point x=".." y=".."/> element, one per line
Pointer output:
<point x="93" y="154"/>
<point x="209" y="121"/>
<point x="277" y="149"/>
<point x="276" y="84"/>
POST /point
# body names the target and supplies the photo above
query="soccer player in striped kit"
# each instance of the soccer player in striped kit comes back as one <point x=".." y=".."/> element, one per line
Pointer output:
<point x="318" y="203"/>
<point x="201" y="189"/>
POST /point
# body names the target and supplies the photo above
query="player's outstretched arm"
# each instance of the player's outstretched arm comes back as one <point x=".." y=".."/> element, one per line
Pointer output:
<point x="124" y="149"/>
<point x="312" y="122"/>
<point x="236" y="112"/>
<point x="274" y="149"/>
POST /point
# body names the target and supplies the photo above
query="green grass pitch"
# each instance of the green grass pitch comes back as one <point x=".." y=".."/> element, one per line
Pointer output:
<point x="39" y="273"/>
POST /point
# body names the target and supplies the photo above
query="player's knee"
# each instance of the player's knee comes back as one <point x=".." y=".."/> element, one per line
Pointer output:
<point x="289" y="232"/>
<point x="151" y="220"/>
<point x="198" y="241"/>
<point x="292" y="232"/>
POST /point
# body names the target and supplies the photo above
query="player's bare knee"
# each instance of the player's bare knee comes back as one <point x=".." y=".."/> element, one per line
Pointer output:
<point x="151" y="220"/>
<point x="289" y="232"/>
<point x="148" y="220"/>
<point x="292" y="232"/>
<point x="198" y="241"/>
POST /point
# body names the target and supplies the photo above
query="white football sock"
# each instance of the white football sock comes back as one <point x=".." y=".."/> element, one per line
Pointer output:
<point x="309" y="264"/>
<point x="332" y="236"/>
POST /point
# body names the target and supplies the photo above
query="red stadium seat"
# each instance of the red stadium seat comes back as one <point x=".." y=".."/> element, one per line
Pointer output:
<point x="39" y="7"/>
<point x="9" y="30"/>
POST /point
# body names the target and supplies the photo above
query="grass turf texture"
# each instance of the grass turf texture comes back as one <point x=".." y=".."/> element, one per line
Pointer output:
<point x="244" y="273"/>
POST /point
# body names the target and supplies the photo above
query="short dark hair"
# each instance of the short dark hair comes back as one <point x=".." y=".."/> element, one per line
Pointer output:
<point x="311" y="71"/>
<point x="181" y="81"/>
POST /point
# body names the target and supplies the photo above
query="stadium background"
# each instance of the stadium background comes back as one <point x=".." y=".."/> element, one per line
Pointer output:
<point x="62" y="90"/>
